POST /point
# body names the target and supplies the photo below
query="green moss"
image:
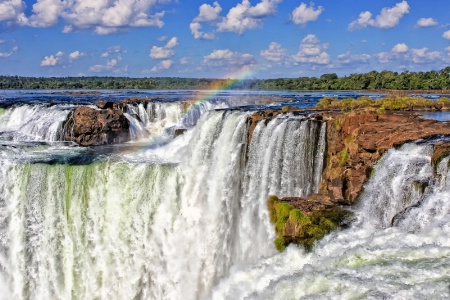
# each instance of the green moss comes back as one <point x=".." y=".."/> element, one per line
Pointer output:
<point x="381" y="111"/>
<point x="2" y="111"/>
<point x="285" y="108"/>
<point x="338" y="124"/>
<point x="280" y="244"/>
<point x="304" y="229"/>
<point x="343" y="155"/>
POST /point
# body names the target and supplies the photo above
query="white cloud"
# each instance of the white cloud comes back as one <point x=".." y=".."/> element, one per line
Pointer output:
<point x="111" y="65"/>
<point x="448" y="50"/>
<point x="50" y="61"/>
<point x="424" y="56"/>
<point x="163" y="65"/>
<point x="45" y="13"/>
<point x="103" y="16"/>
<point x="165" y="51"/>
<point x="76" y="55"/>
<point x="400" y="48"/>
<point x="304" y="14"/>
<point x="162" y="38"/>
<point x="446" y="35"/>
<point x="311" y="51"/>
<point x="11" y="9"/>
<point x="208" y="13"/>
<point x="402" y="53"/>
<point x="227" y="58"/>
<point x="426" y="22"/>
<point x="10" y="52"/>
<point x="244" y="16"/>
<point x="275" y="53"/>
<point x="239" y="18"/>
<point x="388" y="17"/>
<point x="349" y="58"/>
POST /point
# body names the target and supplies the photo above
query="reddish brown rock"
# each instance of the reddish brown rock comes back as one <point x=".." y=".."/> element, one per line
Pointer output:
<point x="356" y="140"/>
<point x="441" y="150"/>
<point x="89" y="127"/>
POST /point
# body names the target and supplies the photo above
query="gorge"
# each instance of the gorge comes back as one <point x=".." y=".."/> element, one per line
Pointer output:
<point x="184" y="216"/>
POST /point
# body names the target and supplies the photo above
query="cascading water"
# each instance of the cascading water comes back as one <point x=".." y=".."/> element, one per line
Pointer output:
<point x="33" y="122"/>
<point x="161" y="118"/>
<point x="371" y="259"/>
<point x="127" y="229"/>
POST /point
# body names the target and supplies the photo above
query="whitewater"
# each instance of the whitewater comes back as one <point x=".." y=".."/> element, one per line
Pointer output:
<point x="185" y="217"/>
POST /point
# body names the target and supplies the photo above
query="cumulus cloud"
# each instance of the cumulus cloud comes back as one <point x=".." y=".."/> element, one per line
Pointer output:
<point x="275" y="53"/>
<point x="225" y="58"/>
<point x="11" y="10"/>
<point x="388" y="17"/>
<point x="76" y="55"/>
<point x="162" y="65"/>
<point x="446" y="35"/>
<point x="165" y="51"/>
<point x="50" y="61"/>
<point x="424" y="56"/>
<point x="400" y="48"/>
<point x="304" y="14"/>
<point x="184" y="61"/>
<point x="349" y="58"/>
<point x="112" y="50"/>
<point x="239" y="18"/>
<point x="401" y="52"/>
<point x="111" y="65"/>
<point x="103" y="16"/>
<point x="311" y="51"/>
<point x="426" y="22"/>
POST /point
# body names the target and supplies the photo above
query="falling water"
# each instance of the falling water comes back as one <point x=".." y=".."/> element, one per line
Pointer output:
<point x="121" y="229"/>
<point x="372" y="259"/>
<point x="33" y="122"/>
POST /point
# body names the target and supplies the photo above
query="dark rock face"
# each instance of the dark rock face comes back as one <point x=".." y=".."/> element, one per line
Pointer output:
<point x="90" y="127"/>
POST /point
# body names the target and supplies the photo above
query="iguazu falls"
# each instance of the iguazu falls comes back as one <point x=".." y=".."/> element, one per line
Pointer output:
<point x="175" y="205"/>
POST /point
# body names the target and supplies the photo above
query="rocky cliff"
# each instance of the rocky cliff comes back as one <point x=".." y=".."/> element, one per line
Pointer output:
<point x="355" y="141"/>
<point x="90" y="127"/>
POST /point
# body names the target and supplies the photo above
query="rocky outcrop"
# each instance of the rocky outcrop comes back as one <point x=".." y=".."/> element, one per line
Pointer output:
<point x="440" y="151"/>
<point x="356" y="140"/>
<point x="90" y="127"/>
<point x="303" y="221"/>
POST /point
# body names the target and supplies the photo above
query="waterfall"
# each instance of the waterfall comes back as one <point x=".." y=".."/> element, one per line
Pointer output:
<point x="161" y="118"/>
<point x="375" y="258"/>
<point x="33" y="122"/>
<point x="119" y="229"/>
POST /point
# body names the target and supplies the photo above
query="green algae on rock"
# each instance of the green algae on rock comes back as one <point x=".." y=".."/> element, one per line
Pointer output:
<point x="303" y="221"/>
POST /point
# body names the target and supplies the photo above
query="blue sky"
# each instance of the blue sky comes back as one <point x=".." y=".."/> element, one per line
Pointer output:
<point x="221" y="39"/>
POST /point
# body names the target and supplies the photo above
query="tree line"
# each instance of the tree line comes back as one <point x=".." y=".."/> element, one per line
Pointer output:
<point x="430" y="80"/>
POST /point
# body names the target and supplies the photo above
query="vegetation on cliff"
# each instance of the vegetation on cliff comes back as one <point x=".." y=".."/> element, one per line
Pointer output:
<point x="431" y="80"/>
<point x="294" y="225"/>
<point x="387" y="103"/>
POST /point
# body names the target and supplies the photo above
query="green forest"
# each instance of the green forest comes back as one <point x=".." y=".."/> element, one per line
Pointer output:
<point x="385" y="80"/>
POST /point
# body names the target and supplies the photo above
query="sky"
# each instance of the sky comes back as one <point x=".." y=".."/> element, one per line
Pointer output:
<point x="221" y="39"/>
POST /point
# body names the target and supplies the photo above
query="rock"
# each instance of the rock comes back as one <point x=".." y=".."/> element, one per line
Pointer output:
<point x="440" y="151"/>
<point x="179" y="131"/>
<point x="262" y="115"/>
<point x="303" y="221"/>
<point x="89" y="127"/>
<point x="356" y="140"/>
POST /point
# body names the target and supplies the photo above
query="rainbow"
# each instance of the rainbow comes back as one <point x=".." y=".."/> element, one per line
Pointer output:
<point x="203" y="96"/>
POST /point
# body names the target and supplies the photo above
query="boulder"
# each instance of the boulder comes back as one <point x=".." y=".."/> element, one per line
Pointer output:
<point x="90" y="127"/>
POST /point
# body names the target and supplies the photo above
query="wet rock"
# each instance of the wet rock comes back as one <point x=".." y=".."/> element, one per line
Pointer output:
<point x="440" y="151"/>
<point x="90" y="127"/>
